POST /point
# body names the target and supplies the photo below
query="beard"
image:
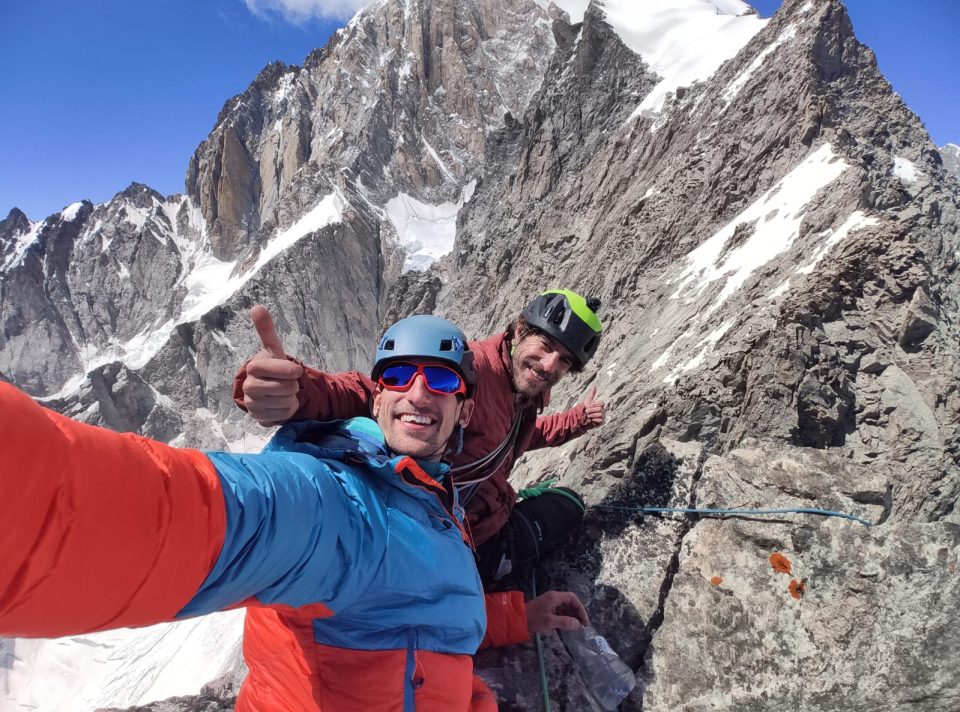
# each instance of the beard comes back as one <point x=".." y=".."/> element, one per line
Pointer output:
<point x="529" y="379"/>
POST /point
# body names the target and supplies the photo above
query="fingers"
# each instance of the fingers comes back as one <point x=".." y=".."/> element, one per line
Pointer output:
<point x="271" y="411"/>
<point x="565" y="623"/>
<point x="263" y="323"/>
<point x="270" y="401"/>
<point x="264" y="368"/>
<point x="556" y="610"/>
<point x="567" y="603"/>
<point x="593" y="409"/>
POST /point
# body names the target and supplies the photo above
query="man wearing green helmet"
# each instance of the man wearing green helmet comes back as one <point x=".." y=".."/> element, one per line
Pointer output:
<point x="558" y="332"/>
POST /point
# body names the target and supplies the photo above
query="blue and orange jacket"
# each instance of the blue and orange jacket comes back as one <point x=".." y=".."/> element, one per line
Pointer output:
<point x="362" y="555"/>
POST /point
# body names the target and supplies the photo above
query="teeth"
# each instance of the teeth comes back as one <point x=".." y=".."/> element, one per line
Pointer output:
<point x="419" y="419"/>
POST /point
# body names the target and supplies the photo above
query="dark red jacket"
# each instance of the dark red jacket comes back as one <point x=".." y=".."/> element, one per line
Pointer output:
<point x="327" y="396"/>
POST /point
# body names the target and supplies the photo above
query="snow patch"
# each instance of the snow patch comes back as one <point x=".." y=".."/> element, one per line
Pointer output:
<point x="856" y="220"/>
<point x="741" y="81"/>
<point x="208" y="282"/>
<point x="707" y="343"/>
<point x="775" y="221"/>
<point x="136" y="216"/>
<point x="284" y="87"/>
<point x="22" y="243"/>
<point x="70" y="212"/>
<point x="906" y="170"/>
<point x="425" y="231"/>
<point x="120" y="668"/>
<point x="436" y="158"/>
<point x="683" y="41"/>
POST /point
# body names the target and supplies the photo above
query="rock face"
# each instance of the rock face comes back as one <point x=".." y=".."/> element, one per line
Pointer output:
<point x="951" y="158"/>
<point x="782" y="296"/>
<point x="776" y="252"/>
<point x="399" y="102"/>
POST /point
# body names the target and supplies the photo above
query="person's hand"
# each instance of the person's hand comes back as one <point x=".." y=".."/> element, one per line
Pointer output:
<point x="555" y="610"/>
<point x="270" y="388"/>
<point x="593" y="410"/>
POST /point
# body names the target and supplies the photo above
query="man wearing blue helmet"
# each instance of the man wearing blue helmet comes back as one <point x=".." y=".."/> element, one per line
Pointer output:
<point x="344" y="540"/>
<point x="557" y="333"/>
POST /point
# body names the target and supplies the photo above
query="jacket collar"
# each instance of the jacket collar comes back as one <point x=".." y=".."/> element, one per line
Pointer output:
<point x="359" y="441"/>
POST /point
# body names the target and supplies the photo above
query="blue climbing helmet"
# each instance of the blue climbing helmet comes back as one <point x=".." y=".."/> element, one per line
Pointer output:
<point x="426" y="337"/>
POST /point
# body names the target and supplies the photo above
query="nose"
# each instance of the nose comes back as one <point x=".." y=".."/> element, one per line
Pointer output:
<point x="418" y="392"/>
<point x="550" y="361"/>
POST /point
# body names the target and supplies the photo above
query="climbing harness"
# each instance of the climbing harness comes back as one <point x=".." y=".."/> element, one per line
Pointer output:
<point x="473" y="473"/>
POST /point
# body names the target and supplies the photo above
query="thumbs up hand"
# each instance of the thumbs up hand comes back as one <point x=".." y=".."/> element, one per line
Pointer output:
<point x="593" y="412"/>
<point x="270" y="388"/>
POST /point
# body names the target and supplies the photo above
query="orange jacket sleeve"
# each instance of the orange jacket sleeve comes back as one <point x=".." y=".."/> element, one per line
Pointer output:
<point x="506" y="620"/>
<point x="72" y="562"/>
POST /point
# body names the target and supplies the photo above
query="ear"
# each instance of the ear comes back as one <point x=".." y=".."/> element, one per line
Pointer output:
<point x="375" y="407"/>
<point x="516" y="334"/>
<point x="466" y="412"/>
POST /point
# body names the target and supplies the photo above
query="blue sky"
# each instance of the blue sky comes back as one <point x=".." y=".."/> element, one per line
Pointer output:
<point x="95" y="94"/>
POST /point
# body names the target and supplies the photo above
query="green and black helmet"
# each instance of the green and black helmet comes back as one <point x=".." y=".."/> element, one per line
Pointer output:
<point x="568" y="318"/>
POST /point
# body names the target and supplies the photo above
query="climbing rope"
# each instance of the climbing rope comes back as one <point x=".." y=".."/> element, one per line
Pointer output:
<point x="735" y="512"/>
<point x="540" y="659"/>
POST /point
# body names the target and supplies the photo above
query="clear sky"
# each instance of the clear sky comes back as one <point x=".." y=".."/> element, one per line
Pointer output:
<point x="917" y="43"/>
<point x="95" y="94"/>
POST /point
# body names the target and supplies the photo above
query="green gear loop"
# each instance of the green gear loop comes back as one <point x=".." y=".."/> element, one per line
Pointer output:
<point x="548" y="486"/>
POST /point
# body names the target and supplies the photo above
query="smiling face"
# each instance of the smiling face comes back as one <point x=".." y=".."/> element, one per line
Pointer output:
<point x="537" y="363"/>
<point x="419" y="422"/>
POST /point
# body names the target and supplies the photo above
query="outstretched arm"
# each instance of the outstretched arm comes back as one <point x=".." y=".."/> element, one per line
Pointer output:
<point x="100" y="529"/>
<point x="559" y="428"/>
<point x="104" y="530"/>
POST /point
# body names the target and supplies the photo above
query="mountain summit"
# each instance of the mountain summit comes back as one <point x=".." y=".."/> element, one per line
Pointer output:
<point x="774" y="239"/>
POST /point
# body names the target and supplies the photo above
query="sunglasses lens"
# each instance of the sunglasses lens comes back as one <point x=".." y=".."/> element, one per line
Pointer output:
<point x="398" y="375"/>
<point x="442" y="379"/>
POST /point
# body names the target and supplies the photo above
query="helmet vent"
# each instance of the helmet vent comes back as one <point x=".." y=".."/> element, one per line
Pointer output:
<point x="446" y="345"/>
<point x="388" y="345"/>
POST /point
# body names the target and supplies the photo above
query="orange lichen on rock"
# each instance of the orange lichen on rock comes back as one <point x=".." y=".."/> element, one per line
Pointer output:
<point x="797" y="588"/>
<point x="780" y="563"/>
<point x="716" y="580"/>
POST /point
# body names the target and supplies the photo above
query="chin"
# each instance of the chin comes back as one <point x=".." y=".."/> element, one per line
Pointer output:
<point x="534" y="387"/>
<point x="416" y="448"/>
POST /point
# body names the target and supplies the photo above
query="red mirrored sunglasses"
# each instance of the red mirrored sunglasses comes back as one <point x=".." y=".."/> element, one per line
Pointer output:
<point x="400" y="375"/>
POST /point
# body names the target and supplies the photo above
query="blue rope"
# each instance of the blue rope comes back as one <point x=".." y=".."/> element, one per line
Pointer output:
<point x="737" y="512"/>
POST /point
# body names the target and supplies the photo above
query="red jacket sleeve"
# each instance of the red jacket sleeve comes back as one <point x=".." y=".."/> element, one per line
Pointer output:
<point x="556" y="429"/>
<point x="322" y="396"/>
<point x="71" y="560"/>
<point x="506" y="619"/>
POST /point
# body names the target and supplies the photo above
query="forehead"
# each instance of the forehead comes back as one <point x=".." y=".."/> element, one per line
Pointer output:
<point x="550" y="343"/>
